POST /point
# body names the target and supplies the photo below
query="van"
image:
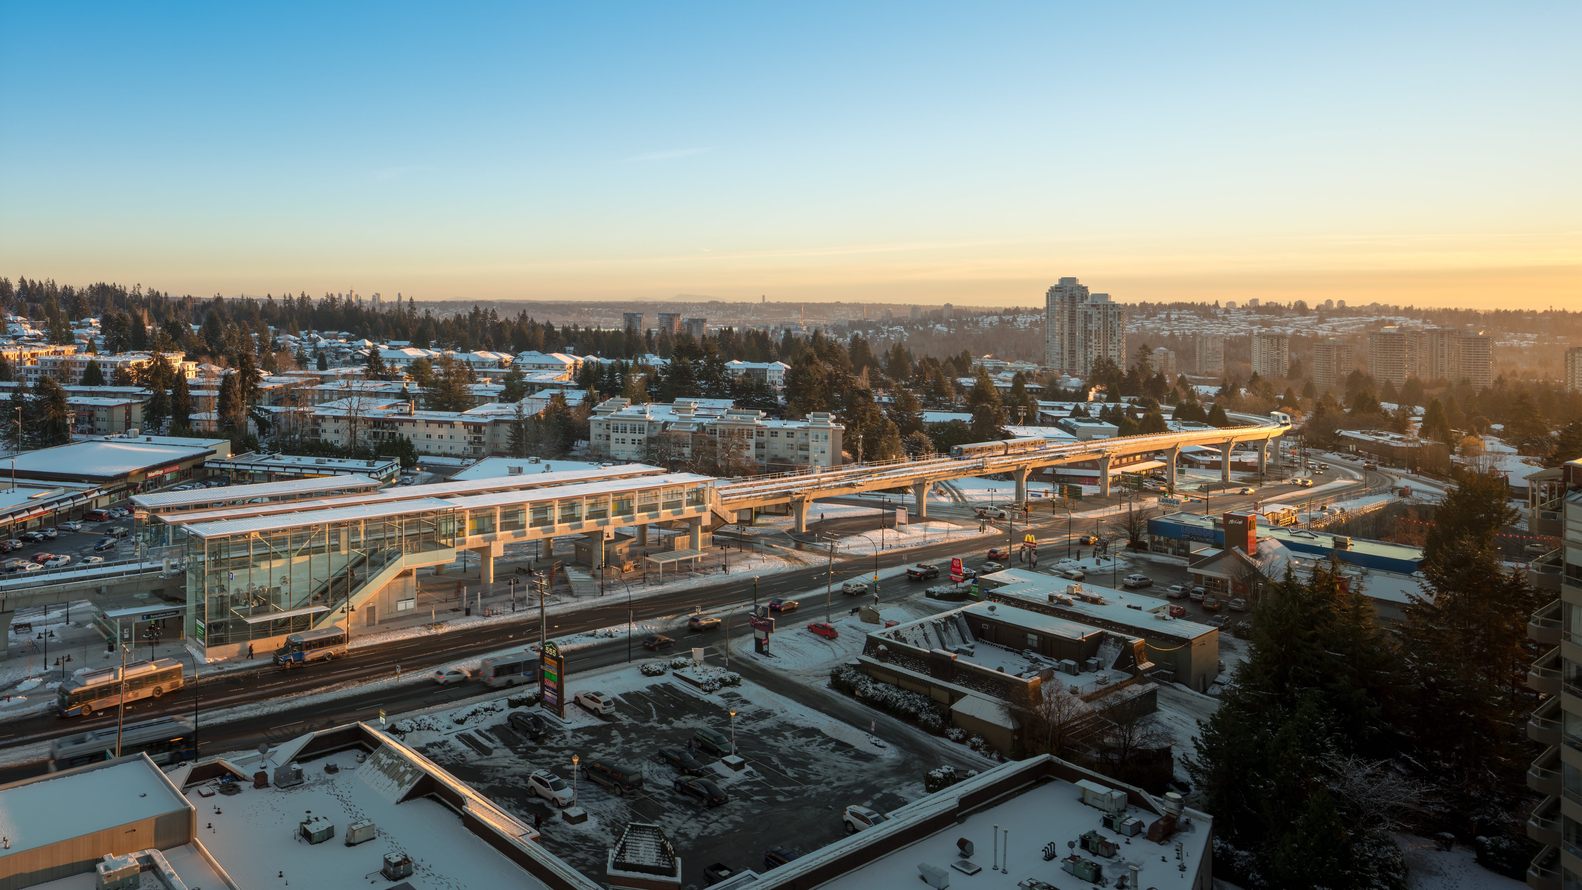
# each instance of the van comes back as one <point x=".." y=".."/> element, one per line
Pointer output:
<point x="96" y="516"/>
<point x="615" y="777"/>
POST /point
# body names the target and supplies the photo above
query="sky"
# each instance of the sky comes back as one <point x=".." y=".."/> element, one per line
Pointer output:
<point x="916" y="153"/>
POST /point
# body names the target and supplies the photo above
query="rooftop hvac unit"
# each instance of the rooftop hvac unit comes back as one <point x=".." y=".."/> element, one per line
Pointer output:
<point x="360" y="831"/>
<point x="396" y="866"/>
<point x="1069" y="666"/>
<point x="118" y="873"/>
<point x="933" y="875"/>
<point x="1083" y="868"/>
<point x="1091" y="665"/>
<point x="513" y="470"/>
<point x="288" y="775"/>
<point x="316" y="829"/>
<point x="1123" y="825"/>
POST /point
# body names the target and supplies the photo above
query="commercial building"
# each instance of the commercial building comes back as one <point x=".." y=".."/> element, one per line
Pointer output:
<point x="623" y="431"/>
<point x="1081" y="328"/>
<point x="1210" y="350"/>
<point x="1390" y="356"/>
<point x="1271" y="355"/>
<point x="1398" y="450"/>
<point x="254" y="467"/>
<point x="1573" y="378"/>
<point x="121" y="464"/>
<point x="1332" y="364"/>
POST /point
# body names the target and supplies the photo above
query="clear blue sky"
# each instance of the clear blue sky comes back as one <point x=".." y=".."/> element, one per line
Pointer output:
<point x="912" y="152"/>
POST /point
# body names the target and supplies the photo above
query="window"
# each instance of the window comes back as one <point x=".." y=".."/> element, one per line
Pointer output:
<point x="570" y="510"/>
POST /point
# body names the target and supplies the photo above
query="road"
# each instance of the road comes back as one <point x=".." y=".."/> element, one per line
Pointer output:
<point x="424" y="653"/>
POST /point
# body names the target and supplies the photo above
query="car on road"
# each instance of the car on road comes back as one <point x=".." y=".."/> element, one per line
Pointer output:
<point x="1177" y="592"/>
<point x="1177" y="611"/>
<point x="57" y="562"/>
<point x="777" y="856"/>
<point x="1135" y="581"/>
<point x="1087" y="539"/>
<point x="682" y="759"/>
<point x="823" y="629"/>
<point x="657" y="642"/>
<point x="990" y="566"/>
<point x="614" y="777"/>
<point x="550" y="787"/>
<point x="1237" y="604"/>
<point x="1246" y="489"/>
<point x="92" y="560"/>
<point x="596" y="702"/>
<point x="534" y="726"/>
<point x="701" y="788"/>
<point x="711" y="741"/>
<point x="854" y="587"/>
<point x="999" y="553"/>
<point x="1212" y="604"/>
<point x="1196" y="594"/>
<point x="922" y="572"/>
<point x="702" y="622"/>
<point x="779" y="605"/>
<point x="859" y="817"/>
<point x="447" y="676"/>
<point x="1302" y="483"/>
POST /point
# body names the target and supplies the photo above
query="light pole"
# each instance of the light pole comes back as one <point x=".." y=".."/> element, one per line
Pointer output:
<point x="629" y="623"/>
<point x="829" y="582"/>
<point x="732" y="712"/>
<point x="575" y="760"/>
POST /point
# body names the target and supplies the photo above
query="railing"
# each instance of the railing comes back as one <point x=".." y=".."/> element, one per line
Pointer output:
<point x="1543" y="873"/>
<point x="1543" y="823"/>
<point x="1543" y="627"/>
<point x="1543" y="724"/>
<point x="1544" y="674"/>
<point x="1541" y="775"/>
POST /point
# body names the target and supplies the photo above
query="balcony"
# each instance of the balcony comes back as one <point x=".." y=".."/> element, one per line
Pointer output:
<point x="1543" y="626"/>
<point x="1543" y="824"/>
<point x="1543" y="724"/>
<point x="1544" y="675"/>
<point x="1547" y="571"/>
<point x="1543" y="775"/>
<point x="1543" y="873"/>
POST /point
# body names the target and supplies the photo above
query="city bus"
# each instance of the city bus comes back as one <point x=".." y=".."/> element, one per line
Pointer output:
<point x="166" y="741"/>
<point x="509" y="670"/>
<point x="95" y="691"/>
<point x="312" y="645"/>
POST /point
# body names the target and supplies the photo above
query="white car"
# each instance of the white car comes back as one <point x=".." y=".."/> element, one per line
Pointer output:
<point x="1135" y="580"/>
<point x="56" y="562"/>
<point x="71" y="525"/>
<point x="858" y="817"/>
<point x="854" y="588"/>
<point x="597" y="702"/>
<point x="447" y="676"/>
<point x="92" y="560"/>
<point x="550" y="787"/>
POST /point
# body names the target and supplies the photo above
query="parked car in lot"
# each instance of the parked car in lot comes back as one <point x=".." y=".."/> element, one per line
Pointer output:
<point x="104" y="544"/>
<point x="614" y="777"/>
<point x="711" y="741"/>
<point x="1237" y="604"/>
<point x="14" y="565"/>
<point x="534" y="726"/>
<point x="8" y="545"/>
<point x="49" y="534"/>
<point x="779" y="605"/>
<point x="1135" y="581"/>
<point x="701" y="788"/>
<point x="1196" y="594"/>
<point x="823" y="629"/>
<point x="717" y="872"/>
<point x="1177" y="611"/>
<point x="1212" y="604"/>
<point x="32" y="537"/>
<point x="71" y="525"/>
<point x="92" y="560"/>
<point x="1176" y="592"/>
<point x="447" y="676"/>
<point x="550" y="787"/>
<point x="116" y="531"/>
<point x="96" y="515"/>
<point x="42" y="557"/>
<point x="1070" y="573"/>
<point x="776" y="856"/>
<point x="702" y="622"/>
<point x="859" y="817"/>
<point x="596" y="702"/>
<point x="922" y="572"/>
<point x="682" y="760"/>
<point x="854" y="587"/>
<point x="57" y="562"/>
<point x="657" y="642"/>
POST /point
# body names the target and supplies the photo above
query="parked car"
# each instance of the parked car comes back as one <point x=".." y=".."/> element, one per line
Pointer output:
<point x="42" y="557"/>
<point x="1212" y="604"/>
<point x="49" y="534"/>
<point x="57" y="562"/>
<point x="1176" y="592"/>
<point x="447" y="676"/>
<point x="1000" y="553"/>
<point x="702" y="622"/>
<point x="1070" y="573"/>
<point x="777" y="856"/>
<point x="711" y="741"/>
<point x="104" y="544"/>
<point x="1196" y="594"/>
<point x="550" y="787"/>
<point x="1135" y="581"/>
<point x="859" y="817"/>
<point x="92" y="560"/>
<point x="779" y="605"/>
<point x="32" y="537"/>
<point x="922" y="572"/>
<point x="657" y="642"/>
<point x="116" y="531"/>
<point x="823" y="629"/>
<point x="14" y="565"/>
<point x="614" y="777"/>
<point x="33" y="567"/>
<point x="7" y="546"/>
<point x="682" y="760"/>
<point x="701" y="788"/>
<point x="96" y="515"/>
<point x="1177" y="611"/>
<point x="71" y="525"/>
<point x="1238" y="604"/>
<point x="717" y="872"/>
<point x="854" y="588"/>
<point x="534" y="726"/>
<point x="596" y="702"/>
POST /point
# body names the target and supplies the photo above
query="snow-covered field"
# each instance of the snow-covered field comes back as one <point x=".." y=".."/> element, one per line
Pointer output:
<point x="1457" y="869"/>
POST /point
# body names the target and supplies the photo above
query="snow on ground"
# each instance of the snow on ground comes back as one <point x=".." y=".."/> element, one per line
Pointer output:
<point x="913" y="534"/>
<point x="1457" y="869"/>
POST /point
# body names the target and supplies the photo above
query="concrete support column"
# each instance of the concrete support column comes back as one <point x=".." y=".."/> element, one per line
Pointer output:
<point x="5" y="628"/>
<point x="642" y="536"/>
<point x="595" y="550"/>
<point x="920" y="492"/>
<point x="1224" y="461"/>
<point x="1171" y="461"/>
<point x="799" y="516"/>
<point x="1263" y="457"/>
<point x="695" y="534"/>
<point x="546" y="548"/>
<point x="485" y="565"/>
<point x="1105" y="463"/>
<point x="1020" y="476"/>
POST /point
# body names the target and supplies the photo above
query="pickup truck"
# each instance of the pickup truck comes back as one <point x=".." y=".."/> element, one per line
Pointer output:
<point x="922" y="572"/>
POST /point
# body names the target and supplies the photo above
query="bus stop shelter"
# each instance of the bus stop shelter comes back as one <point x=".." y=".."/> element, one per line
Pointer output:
<point x="673" y="557"/>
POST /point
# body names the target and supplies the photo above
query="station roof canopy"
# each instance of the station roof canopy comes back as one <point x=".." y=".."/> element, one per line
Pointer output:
<point x="198" y="497"/>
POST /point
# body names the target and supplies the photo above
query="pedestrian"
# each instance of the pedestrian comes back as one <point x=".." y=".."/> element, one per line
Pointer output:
<point x="249" y="651"/>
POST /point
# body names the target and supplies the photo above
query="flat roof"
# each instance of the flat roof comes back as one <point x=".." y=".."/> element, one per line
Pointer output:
<point x="56" y="807"/>
<point x="287" y="488"/>
<point x="556" y="492"/>
<point x="1321" y="539"/>
<point x="498" y="467"/>
<point x="224" y="527"/>
<point x="106" y="458"/>
<point x="1142" y="614"/>
<point x="302" y="461"/>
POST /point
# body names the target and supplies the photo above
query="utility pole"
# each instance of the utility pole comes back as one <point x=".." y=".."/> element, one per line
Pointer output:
<point x="543" y="622"/>
<point x="829" y="582"/>
<point x="120" y="711"/>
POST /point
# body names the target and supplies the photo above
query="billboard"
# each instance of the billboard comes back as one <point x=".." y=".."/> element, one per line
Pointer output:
<point x="552" y="680"/>
<point x="955" y="569"/>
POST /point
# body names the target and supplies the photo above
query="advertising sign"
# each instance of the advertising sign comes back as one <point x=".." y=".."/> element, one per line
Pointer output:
<point x="552" y="680"/>
<point x="955" y="569"/>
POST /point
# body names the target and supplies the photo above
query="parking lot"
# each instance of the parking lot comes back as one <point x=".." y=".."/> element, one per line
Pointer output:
<point x="79" y="545"/>
<point x="802" y="767"/>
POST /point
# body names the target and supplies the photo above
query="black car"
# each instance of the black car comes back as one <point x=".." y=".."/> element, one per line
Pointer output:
<point x="614" y="777"/>
<point x="716" y="873"/>
<point x="658" y="642"/>
<point x="104" y="544"/>
<point x="711" y="741"/>
<point x="682" y="760"/>
<point x="922" y="572"/>
<point x="775" y="856"/>
<point x="534" y="726"/>
<point x="702" y="789"/>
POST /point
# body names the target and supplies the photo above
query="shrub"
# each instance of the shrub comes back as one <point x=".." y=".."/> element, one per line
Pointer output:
<point x="912" y="707"/>
<point x="654" y="669"/>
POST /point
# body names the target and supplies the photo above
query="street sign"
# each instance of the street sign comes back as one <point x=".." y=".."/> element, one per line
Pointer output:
<point x="956" y="574"/>
<point x="552" y="679"/>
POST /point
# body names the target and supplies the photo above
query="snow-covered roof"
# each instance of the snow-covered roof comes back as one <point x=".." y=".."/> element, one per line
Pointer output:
<point x="108" y="458"/>
<point x="165" y="500"/>
<point x="223" y="527"/>
<point x="1150" y="615"/>
<point x="57" y="807"/>
<point x="497" y="467"/>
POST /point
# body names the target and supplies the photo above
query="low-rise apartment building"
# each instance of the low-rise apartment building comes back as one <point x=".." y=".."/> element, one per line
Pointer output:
<point x="620" y="430"/>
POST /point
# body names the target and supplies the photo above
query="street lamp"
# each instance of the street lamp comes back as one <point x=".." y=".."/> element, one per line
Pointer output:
<point x="575" y="760"/>
<point x="732" y="712"/>
<point x="61" y="663"/>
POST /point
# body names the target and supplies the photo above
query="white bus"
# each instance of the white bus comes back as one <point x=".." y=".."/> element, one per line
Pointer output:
<point x="95" y="691"/>
<point x="509" y="670"/>
<point x="312" y="645"/>
<point x="166" y="740"/>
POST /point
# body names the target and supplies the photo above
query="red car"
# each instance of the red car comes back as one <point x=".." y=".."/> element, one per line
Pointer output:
<point x="999" y="553"/>
<point x="1177" y="611"/>
<point x="824" y="629"/>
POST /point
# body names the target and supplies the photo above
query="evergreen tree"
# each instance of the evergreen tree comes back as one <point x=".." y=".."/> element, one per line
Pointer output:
<point x="374" y="368"/>
<point x="514" y="385"/>
<point x="1217" y="416"/>
<point x="988" y="414"/>
<point x="323" y="361"/>
<point x="7" y="373"/>
<point x="231" y="409"/>
<point x="17" y="415"/>
<point x="92" y="374"/>
<point x="449" y="388"/>
<point x="51" y="415"/>
<point x="180" y="405"/>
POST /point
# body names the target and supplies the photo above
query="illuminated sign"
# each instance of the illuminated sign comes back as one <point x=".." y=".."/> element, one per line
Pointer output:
<point x="552" y="680"/>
